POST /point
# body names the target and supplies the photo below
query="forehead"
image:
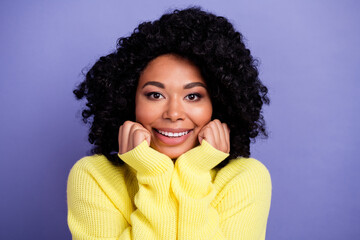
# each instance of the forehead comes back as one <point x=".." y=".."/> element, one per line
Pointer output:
<point x="170" y="70"/>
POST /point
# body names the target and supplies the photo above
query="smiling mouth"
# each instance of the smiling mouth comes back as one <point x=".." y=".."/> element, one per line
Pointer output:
<point x="172" y="134"/>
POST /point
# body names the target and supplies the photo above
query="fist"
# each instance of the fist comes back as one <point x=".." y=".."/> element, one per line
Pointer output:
<point x="131" y="134"/>
<point x="217" y="134"/>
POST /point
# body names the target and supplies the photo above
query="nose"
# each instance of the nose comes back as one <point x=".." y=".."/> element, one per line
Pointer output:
<point x="174" y="110"/>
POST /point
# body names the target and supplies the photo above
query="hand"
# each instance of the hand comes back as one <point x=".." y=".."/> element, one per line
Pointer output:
<point x="217" y="134"/>
<point x="131" y="134"/>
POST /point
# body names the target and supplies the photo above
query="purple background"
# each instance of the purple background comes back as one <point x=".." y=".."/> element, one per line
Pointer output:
<point x="309" y="55"/>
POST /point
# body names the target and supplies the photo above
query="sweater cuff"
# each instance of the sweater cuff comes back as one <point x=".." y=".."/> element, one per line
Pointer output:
<point x="146" y="160"/>
<point x="203" y="157"/>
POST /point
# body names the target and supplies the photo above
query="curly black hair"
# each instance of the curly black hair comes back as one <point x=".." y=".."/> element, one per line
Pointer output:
<point x="207" y="40"/>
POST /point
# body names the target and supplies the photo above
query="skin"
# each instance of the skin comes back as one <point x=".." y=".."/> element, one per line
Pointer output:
<point x="172" y="97"/>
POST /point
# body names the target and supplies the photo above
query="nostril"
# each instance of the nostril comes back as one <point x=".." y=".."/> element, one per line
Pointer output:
<point x="174" y="114"/>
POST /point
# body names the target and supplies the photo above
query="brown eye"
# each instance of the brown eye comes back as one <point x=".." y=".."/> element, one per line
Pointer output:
<point x="193" y="97"/>
<point x="154" y="95"/>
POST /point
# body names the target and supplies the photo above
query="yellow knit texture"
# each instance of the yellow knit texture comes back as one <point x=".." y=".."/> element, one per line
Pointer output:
<point x="150" y="197"/>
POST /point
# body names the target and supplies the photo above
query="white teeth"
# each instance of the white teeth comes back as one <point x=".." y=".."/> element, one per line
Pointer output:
<point x="172" y="134"/>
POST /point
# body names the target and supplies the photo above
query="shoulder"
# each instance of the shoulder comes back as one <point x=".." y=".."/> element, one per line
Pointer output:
<point x="97" y="194"/>
<point x="94" y="165"/>
<point x="249" y="168"/>
<point x="97" y="169"/>
<point x="247" y="176"/>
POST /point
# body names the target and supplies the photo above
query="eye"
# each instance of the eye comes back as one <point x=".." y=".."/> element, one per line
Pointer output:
<point x="193" y="97"/>
<point x="154" y="95"/>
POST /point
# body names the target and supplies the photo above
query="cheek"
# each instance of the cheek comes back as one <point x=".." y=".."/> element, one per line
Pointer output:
<point x="202" y="114"/>
<point x="141" y="114"/>
<point x="145" y="113"/>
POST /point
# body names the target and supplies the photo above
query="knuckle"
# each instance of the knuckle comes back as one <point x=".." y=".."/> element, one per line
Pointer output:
<point x="210" y="125"/>
<point x="127" y="124"/>
<point x="137" y="131"/>
<point x="134" y="127"/>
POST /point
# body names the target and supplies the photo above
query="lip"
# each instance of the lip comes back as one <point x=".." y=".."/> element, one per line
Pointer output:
<point x="172" y="140"/>
<point x="174" y="130"/>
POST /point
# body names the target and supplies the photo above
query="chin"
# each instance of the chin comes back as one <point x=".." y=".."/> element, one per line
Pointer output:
<point x="175" y="151"/>
<point x="173" y="154"/>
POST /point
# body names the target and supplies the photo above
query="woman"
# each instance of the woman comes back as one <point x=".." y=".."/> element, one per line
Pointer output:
<point x="172" y="112"/>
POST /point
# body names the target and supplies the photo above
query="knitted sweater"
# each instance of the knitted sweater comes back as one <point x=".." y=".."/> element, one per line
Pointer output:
<point x="150" y="197"/>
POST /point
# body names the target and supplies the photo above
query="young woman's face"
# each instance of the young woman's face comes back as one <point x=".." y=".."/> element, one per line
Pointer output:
<point x="173" y="104"/>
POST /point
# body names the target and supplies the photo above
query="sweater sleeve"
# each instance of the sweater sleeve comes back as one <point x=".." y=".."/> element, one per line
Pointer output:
<point x="234" y="208"/>
<point x="192" y="186"/>
<point x="155" y="216"/>
<point x="92" y="214"/>
<point x="243" y="203"/>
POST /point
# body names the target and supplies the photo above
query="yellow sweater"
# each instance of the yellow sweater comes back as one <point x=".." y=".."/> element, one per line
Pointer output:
<point x="151" y="198"/>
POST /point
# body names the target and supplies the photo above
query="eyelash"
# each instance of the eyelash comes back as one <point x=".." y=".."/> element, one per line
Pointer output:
<point x="197" y="95"/>
<point x="150" y="95"/>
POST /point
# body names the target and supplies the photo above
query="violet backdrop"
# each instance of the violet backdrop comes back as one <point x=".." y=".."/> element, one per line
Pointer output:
<point x="309" y="57"/>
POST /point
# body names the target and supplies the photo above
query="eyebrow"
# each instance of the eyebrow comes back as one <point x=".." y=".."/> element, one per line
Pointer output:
<point x="187" y="86"/>
<point x="157" y="84"/>
<point x="194" y="84"/>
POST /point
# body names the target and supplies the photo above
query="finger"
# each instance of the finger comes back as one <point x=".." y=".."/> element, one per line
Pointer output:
<point x="221" y="142"/>
<point x="148" y="137"/>
<point x="225" y="146"/>
<point x="119" y="139"/>
<point x="125" y="138"/>
<point x="132" y="135"/>
<point x="209" y="135"/>
<point x="139" y="136"/>
<point x="147" y="134"/>
<point x="218" y="133"/>
<point x="227" y="136"/>
<point x="201" y="134"/>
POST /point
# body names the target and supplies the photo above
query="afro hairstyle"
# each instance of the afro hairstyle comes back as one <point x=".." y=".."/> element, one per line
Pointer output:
<point x="208" y="41"/>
